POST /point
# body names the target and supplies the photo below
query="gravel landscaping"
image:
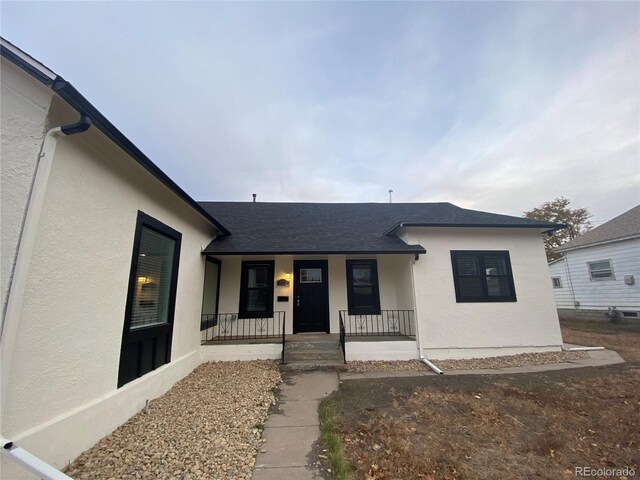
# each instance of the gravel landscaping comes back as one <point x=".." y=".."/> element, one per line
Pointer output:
<point x="520" y="360"/>
<point x="209" y="425"/>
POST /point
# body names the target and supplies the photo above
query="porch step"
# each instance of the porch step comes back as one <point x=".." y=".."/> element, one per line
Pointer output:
<point x="328" y="355"/>
<point x="309" y="365"/>
<point x="311" y="352"/>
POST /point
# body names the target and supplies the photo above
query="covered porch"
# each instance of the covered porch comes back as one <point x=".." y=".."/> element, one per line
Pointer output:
<point x="255" y="306"/>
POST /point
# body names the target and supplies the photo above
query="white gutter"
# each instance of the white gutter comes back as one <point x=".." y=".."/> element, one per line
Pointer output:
<point x="26" y="245"/>
<point x="30" y="462"/>
<point x="431" y="365"/>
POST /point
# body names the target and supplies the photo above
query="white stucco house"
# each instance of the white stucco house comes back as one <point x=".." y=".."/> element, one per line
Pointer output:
<point x="116" y="283"/>
<point x="600" y="270"/>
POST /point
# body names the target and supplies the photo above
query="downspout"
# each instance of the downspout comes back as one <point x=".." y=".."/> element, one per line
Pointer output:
<point x="26" y="243"/>
<point x="423" y="359"/>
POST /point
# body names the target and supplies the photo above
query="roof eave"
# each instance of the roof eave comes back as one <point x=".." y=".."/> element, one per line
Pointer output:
<point x="595" y="244"/>
<point x="419" y="249"/>
<point x="546" y="228"/>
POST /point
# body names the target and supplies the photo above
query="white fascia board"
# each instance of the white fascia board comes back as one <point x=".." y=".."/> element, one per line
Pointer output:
<point x="28" y="59"/>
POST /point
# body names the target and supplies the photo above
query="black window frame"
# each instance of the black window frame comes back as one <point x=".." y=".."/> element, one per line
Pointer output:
<point x="481" y="255"/>
<point x="353" y="309"/>
<point x="146" y="333"/>
<point x="242" y="308"/>
<point x="556" y="282"/>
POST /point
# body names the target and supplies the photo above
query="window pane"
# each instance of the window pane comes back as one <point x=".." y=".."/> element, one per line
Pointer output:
<point x="363" y="297"/>
<point x="470" y="287"/>
<point x="257" y="300"/>
<point x="361" y="275"/>
<point x="258" y="276"/>
<point x="468" y="265"/>
<point x="600" y="270"/>
<point x="498" y="287"/>
<point x="310" y="275"/>
<point x="153" y="279"/>
<point x="495" y="266"/>
<point x="600" y="266"/>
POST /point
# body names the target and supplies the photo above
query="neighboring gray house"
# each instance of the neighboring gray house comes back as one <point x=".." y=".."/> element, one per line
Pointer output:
<point x="600" y="270"/>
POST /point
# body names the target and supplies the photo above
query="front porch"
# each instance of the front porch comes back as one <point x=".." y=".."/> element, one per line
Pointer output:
<point x="387" y="336"/>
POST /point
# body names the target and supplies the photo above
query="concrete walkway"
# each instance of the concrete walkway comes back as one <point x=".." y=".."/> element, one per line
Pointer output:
<point x="597" y="358"/>
<point x="291" y="431"/>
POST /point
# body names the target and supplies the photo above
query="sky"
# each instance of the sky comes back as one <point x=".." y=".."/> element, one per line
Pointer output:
<point x="490" y="106"/>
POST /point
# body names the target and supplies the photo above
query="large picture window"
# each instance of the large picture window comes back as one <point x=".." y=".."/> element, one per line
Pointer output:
<point x="256" y="289"/>
<point x="153" y="279"/>
<point x="483" y="276"/>
<point x="363" y="294"/>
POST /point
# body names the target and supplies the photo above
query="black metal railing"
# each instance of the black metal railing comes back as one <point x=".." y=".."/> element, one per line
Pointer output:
<point x="283" y="340"/>
<point x="228" y="326"/>
<point x="386" y="323"/>
<point x="342" y="338"/>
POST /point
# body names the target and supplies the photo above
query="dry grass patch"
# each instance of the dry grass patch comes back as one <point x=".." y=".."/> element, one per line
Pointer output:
<point x="493" y="427"/>
<point x="624" y="338"/>
<point x="497" y="427"/>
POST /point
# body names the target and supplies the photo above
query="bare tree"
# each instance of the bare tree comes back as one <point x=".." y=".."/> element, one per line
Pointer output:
<point x="558" y="211"/>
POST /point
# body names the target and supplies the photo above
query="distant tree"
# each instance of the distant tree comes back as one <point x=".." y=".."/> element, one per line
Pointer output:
<point x="558" y="211"/>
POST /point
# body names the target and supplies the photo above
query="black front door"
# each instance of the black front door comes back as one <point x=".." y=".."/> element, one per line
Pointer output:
<point x="310" y="296"/>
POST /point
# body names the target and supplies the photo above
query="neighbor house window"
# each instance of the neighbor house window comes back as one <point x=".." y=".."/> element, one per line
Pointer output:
<point x="362" y="287"/>
<point x="153" y="279"/>
<point x="600" y="270"/>
<point x="556" y="282"/>
<point x="483" y="276"/>
<point x="256" y="289"/>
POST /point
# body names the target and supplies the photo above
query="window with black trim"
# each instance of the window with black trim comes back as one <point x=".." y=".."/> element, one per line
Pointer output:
<point x="256" y="289"/>
<point x="556" y="282"/>
<point x="363" y="294"/>
<point x="483" y="276"/>
<point x="149" y="312"/>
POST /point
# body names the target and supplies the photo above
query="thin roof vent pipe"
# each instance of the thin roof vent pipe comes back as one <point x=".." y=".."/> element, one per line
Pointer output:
<point x="390" y="192"/>
<point x="254" y="197"/>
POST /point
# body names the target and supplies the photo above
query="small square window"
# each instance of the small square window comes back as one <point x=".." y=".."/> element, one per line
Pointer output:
<point x="600" y="270"/>
<point x="310" y="275"/>
<point x="557" y="283"/>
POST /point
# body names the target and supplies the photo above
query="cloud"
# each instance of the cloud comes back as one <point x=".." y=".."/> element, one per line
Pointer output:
<point x="495" y="106"/>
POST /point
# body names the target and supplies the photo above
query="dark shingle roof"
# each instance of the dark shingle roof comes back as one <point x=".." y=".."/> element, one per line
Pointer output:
<point x="623" y="226"/>
<point x="268" y="228"/>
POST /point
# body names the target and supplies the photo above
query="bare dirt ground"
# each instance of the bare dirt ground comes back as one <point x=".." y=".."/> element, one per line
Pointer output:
<point x="540" y="425"/>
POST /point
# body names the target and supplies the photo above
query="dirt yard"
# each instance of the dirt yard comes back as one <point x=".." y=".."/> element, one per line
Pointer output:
<point x="539" y="425"/>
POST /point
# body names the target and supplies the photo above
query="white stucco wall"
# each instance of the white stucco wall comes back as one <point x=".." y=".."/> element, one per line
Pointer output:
<point x="23" y="115"/>
<point x="448" y="329"/>
<point x="391" y="350"/>
<point x="66" y="358"/>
